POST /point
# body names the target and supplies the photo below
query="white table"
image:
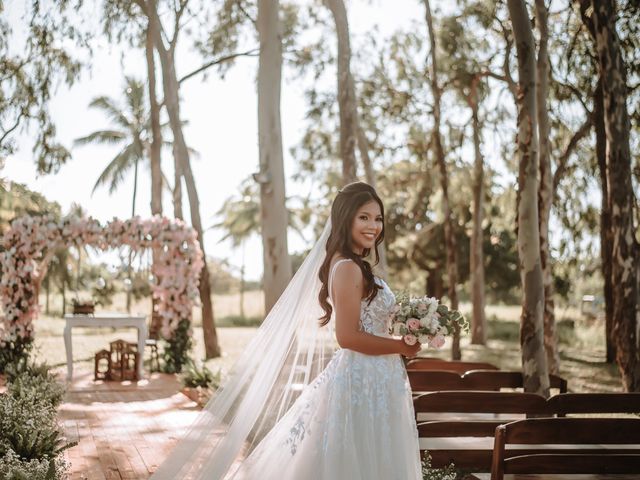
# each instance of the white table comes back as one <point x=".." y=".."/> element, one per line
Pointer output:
<point x="105" y="320"/>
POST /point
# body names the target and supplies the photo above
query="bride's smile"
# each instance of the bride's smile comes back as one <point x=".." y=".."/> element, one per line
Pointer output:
<point x="366" y="228"/>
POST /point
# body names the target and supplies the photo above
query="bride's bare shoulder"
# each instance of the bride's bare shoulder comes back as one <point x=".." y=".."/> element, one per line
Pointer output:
<point x="346" y="270"/>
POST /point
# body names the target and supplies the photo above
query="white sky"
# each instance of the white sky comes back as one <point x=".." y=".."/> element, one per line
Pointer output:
<point x="222" y="116"/>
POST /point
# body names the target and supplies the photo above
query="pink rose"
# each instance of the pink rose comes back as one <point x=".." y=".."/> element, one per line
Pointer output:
<point x="413" y="324"/>
<point x="410" y="339"/>
<point x="437" y="341"/>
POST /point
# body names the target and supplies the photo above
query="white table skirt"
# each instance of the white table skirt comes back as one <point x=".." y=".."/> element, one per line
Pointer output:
<point x="105" y="320"/>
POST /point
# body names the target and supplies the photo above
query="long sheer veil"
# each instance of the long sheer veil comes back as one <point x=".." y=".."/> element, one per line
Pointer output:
<point x="288" y="351"/>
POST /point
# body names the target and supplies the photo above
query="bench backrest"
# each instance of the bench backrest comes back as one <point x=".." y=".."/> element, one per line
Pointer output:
<point x="458" y="366"/>
<point x="591" y="433"/>
<point x="435" y="380"/>
<point x="576" y="403"/>
<point x="479" y="402"/>
<point x="497" y="379"/>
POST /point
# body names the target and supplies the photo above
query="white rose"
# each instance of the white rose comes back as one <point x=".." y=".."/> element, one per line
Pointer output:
<point x="424" y="339"/>
<point x="435" y="324"/>
<point x="433" y="305"/>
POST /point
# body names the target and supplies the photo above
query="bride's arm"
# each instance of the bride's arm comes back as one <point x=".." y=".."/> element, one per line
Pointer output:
<point x="348" y="287"/>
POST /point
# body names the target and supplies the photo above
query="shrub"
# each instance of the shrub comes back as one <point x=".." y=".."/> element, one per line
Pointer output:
<point x="176" y="350"/>
<point x="12" y="467"/>
<point x="14" y="350"/>
<point x="448" y="473"/>
<point x="29" y="427"/>
<point x="194" y="376"/>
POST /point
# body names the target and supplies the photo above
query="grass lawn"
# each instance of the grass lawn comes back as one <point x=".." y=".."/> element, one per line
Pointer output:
<point x="582" y="347"/>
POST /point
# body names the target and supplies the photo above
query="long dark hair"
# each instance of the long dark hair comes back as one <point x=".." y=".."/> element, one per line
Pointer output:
<point x="345" y="206"/>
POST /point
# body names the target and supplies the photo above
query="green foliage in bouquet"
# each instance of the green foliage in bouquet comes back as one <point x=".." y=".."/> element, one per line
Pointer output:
<point x="453" y="318"/>
<point x="194" y="376"/>
<point x="176" y="350"/>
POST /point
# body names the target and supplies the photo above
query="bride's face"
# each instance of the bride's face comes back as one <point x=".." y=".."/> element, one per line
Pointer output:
<point x="366" y="227"/>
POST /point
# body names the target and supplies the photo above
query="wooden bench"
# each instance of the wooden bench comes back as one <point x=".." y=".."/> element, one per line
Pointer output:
<point x="592" y="446"/>
<point x="436" y="380"/>
<point x="458" y="426"/>
<point x="458" y="366"/>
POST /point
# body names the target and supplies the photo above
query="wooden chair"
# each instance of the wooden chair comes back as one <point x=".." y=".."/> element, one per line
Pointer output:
<point x="450" y="365"/>
<point x="593" y="446"/>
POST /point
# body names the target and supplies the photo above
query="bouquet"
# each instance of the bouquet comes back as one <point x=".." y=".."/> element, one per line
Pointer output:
<point x="425" y="320"/>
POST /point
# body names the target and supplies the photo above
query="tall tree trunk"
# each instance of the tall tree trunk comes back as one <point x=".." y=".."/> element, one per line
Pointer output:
<point x="155" y="149"/>
<point x="273" y="212"/>
<point x="478" y="319"/>
<point x="534" y="360"/>
<point x="370" y="174"/>
<point x="626" y="304"/>
<point x="177" y="186"/>
<point x="346" y="92"/>
<point x="450" y="240"/>
<point x="47" y="290"/>
<point x="606" y="242"/>
<point x="545" y="192"/>
<point x="172" y="102"/>
<point x="133" y="214"/>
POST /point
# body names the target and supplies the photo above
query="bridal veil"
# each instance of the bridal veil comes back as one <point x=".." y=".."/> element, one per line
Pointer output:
<point x="288" y="351"/>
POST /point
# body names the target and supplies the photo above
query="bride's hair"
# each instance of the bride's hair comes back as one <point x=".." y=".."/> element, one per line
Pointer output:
<point x="345" y="206"/>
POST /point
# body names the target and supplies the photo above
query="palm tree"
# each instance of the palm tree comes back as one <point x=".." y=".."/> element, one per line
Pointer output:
<point x="241" y="218"/>
<point x="132" y="131"/>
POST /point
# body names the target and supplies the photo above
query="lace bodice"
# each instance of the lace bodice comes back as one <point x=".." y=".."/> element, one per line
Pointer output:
<point x="375" y="318"/>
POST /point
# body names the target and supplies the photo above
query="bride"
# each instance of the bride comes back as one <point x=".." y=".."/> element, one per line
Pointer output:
<point x="297" y="407"/>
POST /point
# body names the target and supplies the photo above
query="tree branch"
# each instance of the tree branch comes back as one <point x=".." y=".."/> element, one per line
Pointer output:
<point x="249" y="53"/>
<point x="6" y="134"/>
<point x="176" y="24"/>
<point x="563" y="160"/>
<point x="253" y="20"/>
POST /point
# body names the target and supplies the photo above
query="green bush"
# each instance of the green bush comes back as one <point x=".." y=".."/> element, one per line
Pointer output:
<point x="193" y="376"/>
<point x="176" y="350"/>
<point x="14" y="350"/>
<point x="12" y="467"/>
<point x="448" y="473"/>
<point x="31" y="440"/>
<point x="29" y="428"/>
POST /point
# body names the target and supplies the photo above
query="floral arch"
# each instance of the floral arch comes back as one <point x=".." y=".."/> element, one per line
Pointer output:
<point x="30" y="242"/>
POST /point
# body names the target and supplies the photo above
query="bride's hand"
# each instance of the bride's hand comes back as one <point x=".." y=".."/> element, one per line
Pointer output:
<point x="409" y="351"/>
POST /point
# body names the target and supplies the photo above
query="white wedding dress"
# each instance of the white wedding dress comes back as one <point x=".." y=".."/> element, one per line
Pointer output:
<point x="355" y="421"/>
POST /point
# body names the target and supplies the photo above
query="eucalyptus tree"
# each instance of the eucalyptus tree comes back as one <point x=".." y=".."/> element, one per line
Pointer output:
<point x="534" y="361"/>
<point x="624" y="271"/>
<point x="273" y="213"/>
<point x="436" y="91"/>
<point x="30" y="73"/>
